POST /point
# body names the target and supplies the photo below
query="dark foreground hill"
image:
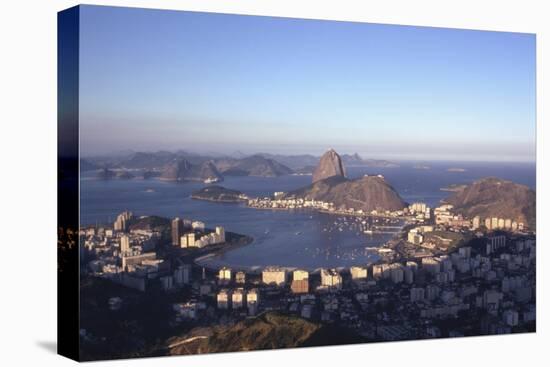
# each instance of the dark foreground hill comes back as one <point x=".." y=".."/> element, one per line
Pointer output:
<point x="267" y="331"/>
<point x="366" y="193"/>
<point x="494" y="197"/>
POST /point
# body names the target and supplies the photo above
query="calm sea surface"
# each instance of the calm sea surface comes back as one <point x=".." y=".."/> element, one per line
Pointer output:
<point x="291" y="239"/>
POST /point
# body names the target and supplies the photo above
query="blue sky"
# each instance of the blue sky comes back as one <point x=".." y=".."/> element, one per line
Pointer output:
<point x="155" y="80"/>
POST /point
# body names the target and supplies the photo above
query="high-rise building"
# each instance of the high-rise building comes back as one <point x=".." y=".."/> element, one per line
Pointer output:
<point x="465" y="252"/>
<point x="408" y="274"/>
<point x="274" y="275"/>
<point x="182" y="275"/>
<point x="124" y="245"/>
<point x="417" y="207"/>
<point x="121" y="222"/>
<point x="252" y="308"/>
<point x="177" y="231"/>
<point x="188" y="240"/>
<point x="510" y="317"/>
<point x="237" y="298"/>
<point x="432" y="292"/>
<point x="331" y="278"/>
<point x="224" y="275"/>
<point x="415" y="237"/>
<point x="300" y="275"/>
<point x="397" y="274"/>
<point x="300" y="286"/>
<point x="381" y="271"/>
<point x="491" y="300"/>
<point x="220" y="232"/>
<point x="223" y="299"/>
<point x="431" y="265"/>
<point x="240" y="277"/>
<point x="494" y="243"/>
<point x="508" y="223"/>
<point x="253" y="296"/>
<point x="358" y="273"/>
<point x="417" y="294"/>
<point x="167" y="282"/>
<point x="377" y="271"/>
<point x="476" y="222"/>
<point x="413" y="265"/>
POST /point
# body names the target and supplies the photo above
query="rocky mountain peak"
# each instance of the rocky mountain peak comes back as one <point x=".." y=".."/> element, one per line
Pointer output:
<point x="330" y="165"/>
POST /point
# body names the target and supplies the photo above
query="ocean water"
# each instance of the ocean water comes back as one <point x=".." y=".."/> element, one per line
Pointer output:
<point x="285" y="238"/>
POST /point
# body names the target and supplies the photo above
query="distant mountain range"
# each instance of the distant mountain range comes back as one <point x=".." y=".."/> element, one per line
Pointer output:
<point x="183" y="170"/>
<point x="182" y="165"/>
<point x="256" y="165"/>
<point x="494" y="197"/>
<point x="273" y="164"/>
<point x="307" y="162"/>
<point x="356" y="160"/>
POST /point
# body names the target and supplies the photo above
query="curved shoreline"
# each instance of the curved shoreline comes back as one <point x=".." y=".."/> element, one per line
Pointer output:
<point x="212" y="262"/>
<point x="212" y="200"/>
<point x="257" y="269"/>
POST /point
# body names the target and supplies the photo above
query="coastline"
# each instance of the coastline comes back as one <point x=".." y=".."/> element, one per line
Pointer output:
<point x="226" y="201"/>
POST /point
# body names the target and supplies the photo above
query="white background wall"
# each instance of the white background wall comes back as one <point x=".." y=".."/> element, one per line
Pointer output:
<point x="28" y="184"/>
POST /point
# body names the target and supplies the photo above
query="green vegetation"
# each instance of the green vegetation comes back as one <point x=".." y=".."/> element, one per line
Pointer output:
<point x="271" y="330"/>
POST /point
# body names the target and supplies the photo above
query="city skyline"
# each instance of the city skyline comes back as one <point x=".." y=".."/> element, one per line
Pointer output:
<point x="295" y="86"/>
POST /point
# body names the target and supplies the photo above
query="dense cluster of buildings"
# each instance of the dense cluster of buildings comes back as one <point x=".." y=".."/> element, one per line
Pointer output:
<point x="421" y="211"/>
<point x="489" y="286"/>
<point x="445" y="226"/>
<point x="444" y="216"/>
<point x="490" y="291"/>
<point x="128" y="255"/>
<point x="279" y="201"/>
<point x="186" y="233"/>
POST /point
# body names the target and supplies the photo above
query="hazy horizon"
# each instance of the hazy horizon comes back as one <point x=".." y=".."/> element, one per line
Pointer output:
<point x="242" y="154"/>
<point x="206" y="82"/>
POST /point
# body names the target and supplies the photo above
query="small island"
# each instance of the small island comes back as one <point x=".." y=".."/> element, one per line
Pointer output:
<point x="219" y="194"/>
<point x="454" y="187"/>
